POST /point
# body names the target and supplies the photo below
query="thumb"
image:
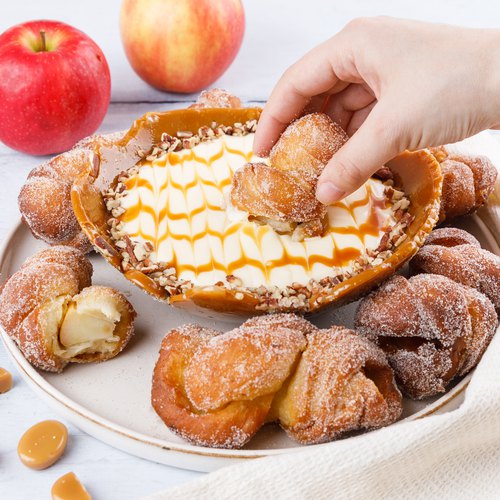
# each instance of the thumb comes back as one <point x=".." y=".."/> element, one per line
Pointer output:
<point x="373" y="144"/>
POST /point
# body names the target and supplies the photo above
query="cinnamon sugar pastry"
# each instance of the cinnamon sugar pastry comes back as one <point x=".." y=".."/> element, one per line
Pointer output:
<point x="467" y="182"/>
<point x="283" y="192"/>
<point x="53" y="314"/>
<point x="217" y="389"/>
<point x="458" y="255"/>
<point x="216" y="98"/>
<point x="341" y="384"/>
<point x="432" y="329"/>
<point x="45" y="198"/>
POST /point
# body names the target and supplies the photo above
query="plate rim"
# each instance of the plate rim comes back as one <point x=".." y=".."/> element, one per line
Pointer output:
<point x="84" y="419"/>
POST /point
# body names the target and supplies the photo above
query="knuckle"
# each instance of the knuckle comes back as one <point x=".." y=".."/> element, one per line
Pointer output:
<point x="391" y="133"/>
<point x="348" y="173"/>
<point x="359" y="24"/>
<point x="296" y="69"/>
<point x="289" y="72"/>
<point x="290" y="78"/>
<point x="364" y="25"/>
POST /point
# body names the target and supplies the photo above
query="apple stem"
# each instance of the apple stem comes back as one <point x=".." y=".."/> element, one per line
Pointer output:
<point x="44" y="43"/>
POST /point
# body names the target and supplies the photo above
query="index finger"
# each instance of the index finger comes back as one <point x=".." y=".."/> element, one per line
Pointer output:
<point x="310" y="76"/>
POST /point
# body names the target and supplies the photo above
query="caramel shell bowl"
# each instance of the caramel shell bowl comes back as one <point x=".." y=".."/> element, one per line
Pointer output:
<point x="417" y="174"/>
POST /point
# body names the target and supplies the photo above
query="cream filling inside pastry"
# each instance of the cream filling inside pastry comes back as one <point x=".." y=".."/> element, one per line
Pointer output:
<point x="179" y="203"/>
<point x="77" y="327"/>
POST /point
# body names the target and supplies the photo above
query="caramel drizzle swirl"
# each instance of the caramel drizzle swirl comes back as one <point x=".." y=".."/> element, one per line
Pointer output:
<point x="164" y="215"/>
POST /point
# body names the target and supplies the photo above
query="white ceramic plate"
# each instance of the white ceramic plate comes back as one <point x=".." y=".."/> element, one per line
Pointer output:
<point x="111" y="401"/>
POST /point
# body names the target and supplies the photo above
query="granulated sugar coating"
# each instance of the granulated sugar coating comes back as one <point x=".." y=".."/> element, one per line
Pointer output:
<point x="52" y="273"/>
<point x="467" y="181"/>
<point x="451" y="237"/>
<point x="45" y="199"/>
<point x="309" y="141"/>
<point x="216" y="98"/>
<point x="49" y="308"/>
<point x="250" y="361"/>
<point x="466" y="264"/>
<point x="228" y="427"/>
<point x="217" y="389"/>
<point x="67" y="256"/>
<point x="263" y="191"/>
<point x="484" y="172"/>
<point x="484" y="322"/>
<point x="283" y="320"/>
<point x="342" y="383"/>
<point x="429" y="327"/>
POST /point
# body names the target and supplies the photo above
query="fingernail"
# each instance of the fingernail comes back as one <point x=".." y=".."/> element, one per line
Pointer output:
<point x="261" y="153"/>
<point x="327" y="193"/>
<point x="260" y="150"/>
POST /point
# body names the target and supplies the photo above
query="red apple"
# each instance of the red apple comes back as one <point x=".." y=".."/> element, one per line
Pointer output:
<point x="54" y="87"/>
<point x="181" y="45"/>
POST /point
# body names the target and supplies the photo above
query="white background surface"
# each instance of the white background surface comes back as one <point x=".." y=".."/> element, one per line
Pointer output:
<point x="278" y="32"/>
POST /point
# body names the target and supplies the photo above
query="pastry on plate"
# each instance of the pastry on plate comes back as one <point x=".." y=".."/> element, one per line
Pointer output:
<point x="342" y="384"/>
<point x="218" y="389"/>
<point x="467" y="182"/>
<point x="216" y="98"/>
<point x="45" y="198"/>
<point x="458" y="255"/>
<point x="157" y="205"/>
<point x="431" y="328"/>
<point x="49" y="308"/>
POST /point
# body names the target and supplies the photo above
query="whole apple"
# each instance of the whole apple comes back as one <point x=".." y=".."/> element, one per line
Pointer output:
<point x="181" y="45"/>
<point x="54" y="87"/>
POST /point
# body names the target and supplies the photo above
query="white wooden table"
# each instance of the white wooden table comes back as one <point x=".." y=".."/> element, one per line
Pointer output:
<point x="278" y="32"/>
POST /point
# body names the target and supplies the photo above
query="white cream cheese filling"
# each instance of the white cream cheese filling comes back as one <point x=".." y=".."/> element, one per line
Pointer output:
<point x="179" y="203"/>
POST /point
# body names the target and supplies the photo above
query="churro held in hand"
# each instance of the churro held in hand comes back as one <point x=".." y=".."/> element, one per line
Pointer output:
<point x="283" y="192"/>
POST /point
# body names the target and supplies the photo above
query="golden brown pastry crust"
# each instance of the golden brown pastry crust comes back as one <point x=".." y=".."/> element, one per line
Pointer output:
<point x="451" y="237"/>
<point x="45" y="198"/>
<point x="306" y="146"/>
<point x="342" y="383"/>
<point x="285" y="190"/>
<point x="431" y="328"/>
<point x="452" y="253"/>
<point x="282" y="320"/>
<point x="467" y="182"/>
<point x="229" y="427"/>
<point x="484" y="322"/>
<point x="216" y="98"/>
<point x="217" y="389"/>
<point x="264" y="191"/>
<point x="67" y="256"/>
<point x="46" y="282"/>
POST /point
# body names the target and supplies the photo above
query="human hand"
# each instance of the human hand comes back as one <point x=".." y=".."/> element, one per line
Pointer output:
<point x="392" y="85"/>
